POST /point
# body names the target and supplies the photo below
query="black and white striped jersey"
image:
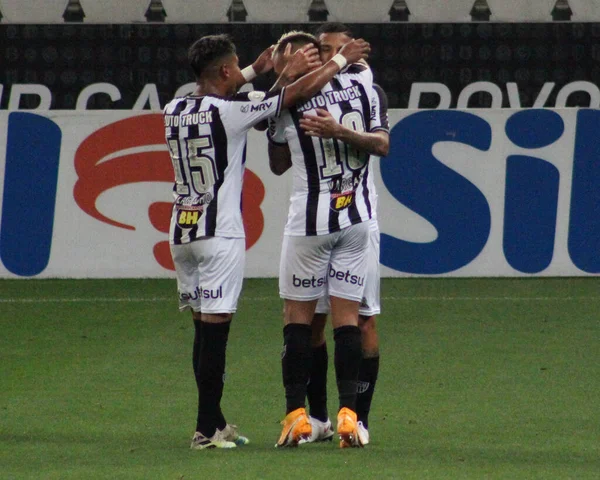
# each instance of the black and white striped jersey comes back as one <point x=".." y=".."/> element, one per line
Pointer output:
<point x="206" y="137"/>
<point x="331" y="185"/>
<point x="380" y="101"/>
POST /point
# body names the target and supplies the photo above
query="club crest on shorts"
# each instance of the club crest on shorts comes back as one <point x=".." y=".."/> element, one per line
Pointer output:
<point x="364" y="303"/>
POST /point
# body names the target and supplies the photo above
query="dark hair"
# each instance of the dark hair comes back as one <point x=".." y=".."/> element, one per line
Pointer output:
<point x="204" y="52"/>
<point x="297" y="39"/>
<point x="334" y="27"/>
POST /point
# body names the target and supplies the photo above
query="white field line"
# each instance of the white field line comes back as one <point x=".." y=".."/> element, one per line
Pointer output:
<point x="275" y="297"/>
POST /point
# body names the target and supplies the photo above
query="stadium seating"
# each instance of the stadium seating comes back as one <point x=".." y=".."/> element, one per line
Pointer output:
<point x="33" y="11"/>
<point x="277" y="10"/>
<point x="197" y="11"/>
<point x="114" y="11"/>
<point x="440" y="10"/>
<point x="521" y="10"/>
<point x="359" y="11"/>
<point x="585" y="10"/>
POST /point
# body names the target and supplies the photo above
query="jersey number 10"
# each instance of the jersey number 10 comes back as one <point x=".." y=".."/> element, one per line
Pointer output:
<point x="354" y="158"/>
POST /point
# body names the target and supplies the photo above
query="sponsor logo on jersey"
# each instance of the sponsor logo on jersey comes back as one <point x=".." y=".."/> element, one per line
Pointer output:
<point x="194" y="202"/>
<point x="342" y="192"/>
<point x="197" y="118"/>
<point x="189" y="209"/>
<point x="331" y="97"/>
<point x="261" y="107"/>
<point x="188" y="218"/>
<point x="340" y="201"/>
<point x="343" y="184"/>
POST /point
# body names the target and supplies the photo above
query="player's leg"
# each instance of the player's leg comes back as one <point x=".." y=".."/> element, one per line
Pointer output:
<point x="212" y="292"/>
<point x="346" y="277"/>
<point x="301" y="282"/>
<point x="316" y="390"/>
<point x="369" y="309"/>
<point x="368" y="373"/>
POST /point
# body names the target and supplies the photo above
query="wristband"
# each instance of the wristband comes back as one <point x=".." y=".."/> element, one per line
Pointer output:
<point x="340" y="60"/>
<point x="249" y="73"/>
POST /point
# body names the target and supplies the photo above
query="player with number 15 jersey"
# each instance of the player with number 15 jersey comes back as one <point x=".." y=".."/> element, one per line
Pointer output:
<point x="207" y="142"/>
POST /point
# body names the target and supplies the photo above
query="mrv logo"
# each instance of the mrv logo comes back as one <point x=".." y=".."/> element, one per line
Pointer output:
<point x="533" y="196"/>
<point x="261" y="107"/>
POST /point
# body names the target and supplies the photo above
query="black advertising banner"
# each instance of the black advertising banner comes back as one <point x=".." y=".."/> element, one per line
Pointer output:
<point x="142" y="66"/>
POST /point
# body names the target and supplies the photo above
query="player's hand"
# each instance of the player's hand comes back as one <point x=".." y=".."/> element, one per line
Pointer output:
<point x="302" y="61"/>
<point x="264" y="62"/>
<point x="356" y="50"/>
<point x="321" y="125"/>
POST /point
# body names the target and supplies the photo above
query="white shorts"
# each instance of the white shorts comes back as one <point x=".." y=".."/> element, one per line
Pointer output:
<point x="371" y="301"/>
<point x="210" y="272"/>
<point x="335" y="263"/>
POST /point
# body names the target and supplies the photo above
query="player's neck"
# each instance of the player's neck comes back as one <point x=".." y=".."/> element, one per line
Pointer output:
<point x="211" y="87"/>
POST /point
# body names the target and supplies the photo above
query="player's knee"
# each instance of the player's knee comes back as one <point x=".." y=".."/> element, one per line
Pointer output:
<point x="367" y="324"/>
<point x="216" y="317"/>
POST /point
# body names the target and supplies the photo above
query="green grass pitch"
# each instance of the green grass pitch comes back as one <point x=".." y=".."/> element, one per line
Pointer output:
<point x="480" y="379"/>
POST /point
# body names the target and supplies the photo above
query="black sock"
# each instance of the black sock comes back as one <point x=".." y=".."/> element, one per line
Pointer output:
<point x="210" y="377"/>
<point x="196" y="349"/>
<point x="348" y="353"/>
<point x="367" y="377"/>
<point x="295" y="364"/>
<point x="316" y="390"/>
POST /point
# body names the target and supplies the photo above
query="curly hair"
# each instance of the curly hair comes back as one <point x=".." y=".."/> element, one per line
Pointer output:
<point x="204" y="52"/>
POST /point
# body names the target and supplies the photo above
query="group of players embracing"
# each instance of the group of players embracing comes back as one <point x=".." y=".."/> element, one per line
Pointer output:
<point x="325" y="120"/>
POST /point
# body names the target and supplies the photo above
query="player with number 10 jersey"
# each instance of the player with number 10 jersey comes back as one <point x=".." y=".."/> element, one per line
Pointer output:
<point x="332" y="186"/>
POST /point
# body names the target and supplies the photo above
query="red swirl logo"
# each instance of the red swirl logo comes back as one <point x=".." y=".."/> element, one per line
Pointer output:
<point x="125" y="166"/>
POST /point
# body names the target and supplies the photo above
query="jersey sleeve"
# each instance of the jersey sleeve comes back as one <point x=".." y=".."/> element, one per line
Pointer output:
<point x="244" y="110"/>
<point x="379" y="110"/>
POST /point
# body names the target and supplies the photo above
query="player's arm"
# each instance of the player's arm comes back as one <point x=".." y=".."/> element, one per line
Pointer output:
<point x="280" y="158"/>
<point x="261" y="65"/>
<point x="310" y="84"/>
<point x="325" y="126"/>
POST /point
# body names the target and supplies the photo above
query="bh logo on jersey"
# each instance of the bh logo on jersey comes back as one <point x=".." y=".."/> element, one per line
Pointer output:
<point x="340" y="201"/>
<point x="125" y="153"/>
<point x="189" y="209"/>
<point x="343" y="191"/>
<point x="188" y="218"/>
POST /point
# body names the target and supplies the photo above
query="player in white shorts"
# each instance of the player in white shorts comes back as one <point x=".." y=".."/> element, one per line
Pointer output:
<point x="327" y="233"/>
<point x="206" y="136"/>
<point x="332" y="36"/>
